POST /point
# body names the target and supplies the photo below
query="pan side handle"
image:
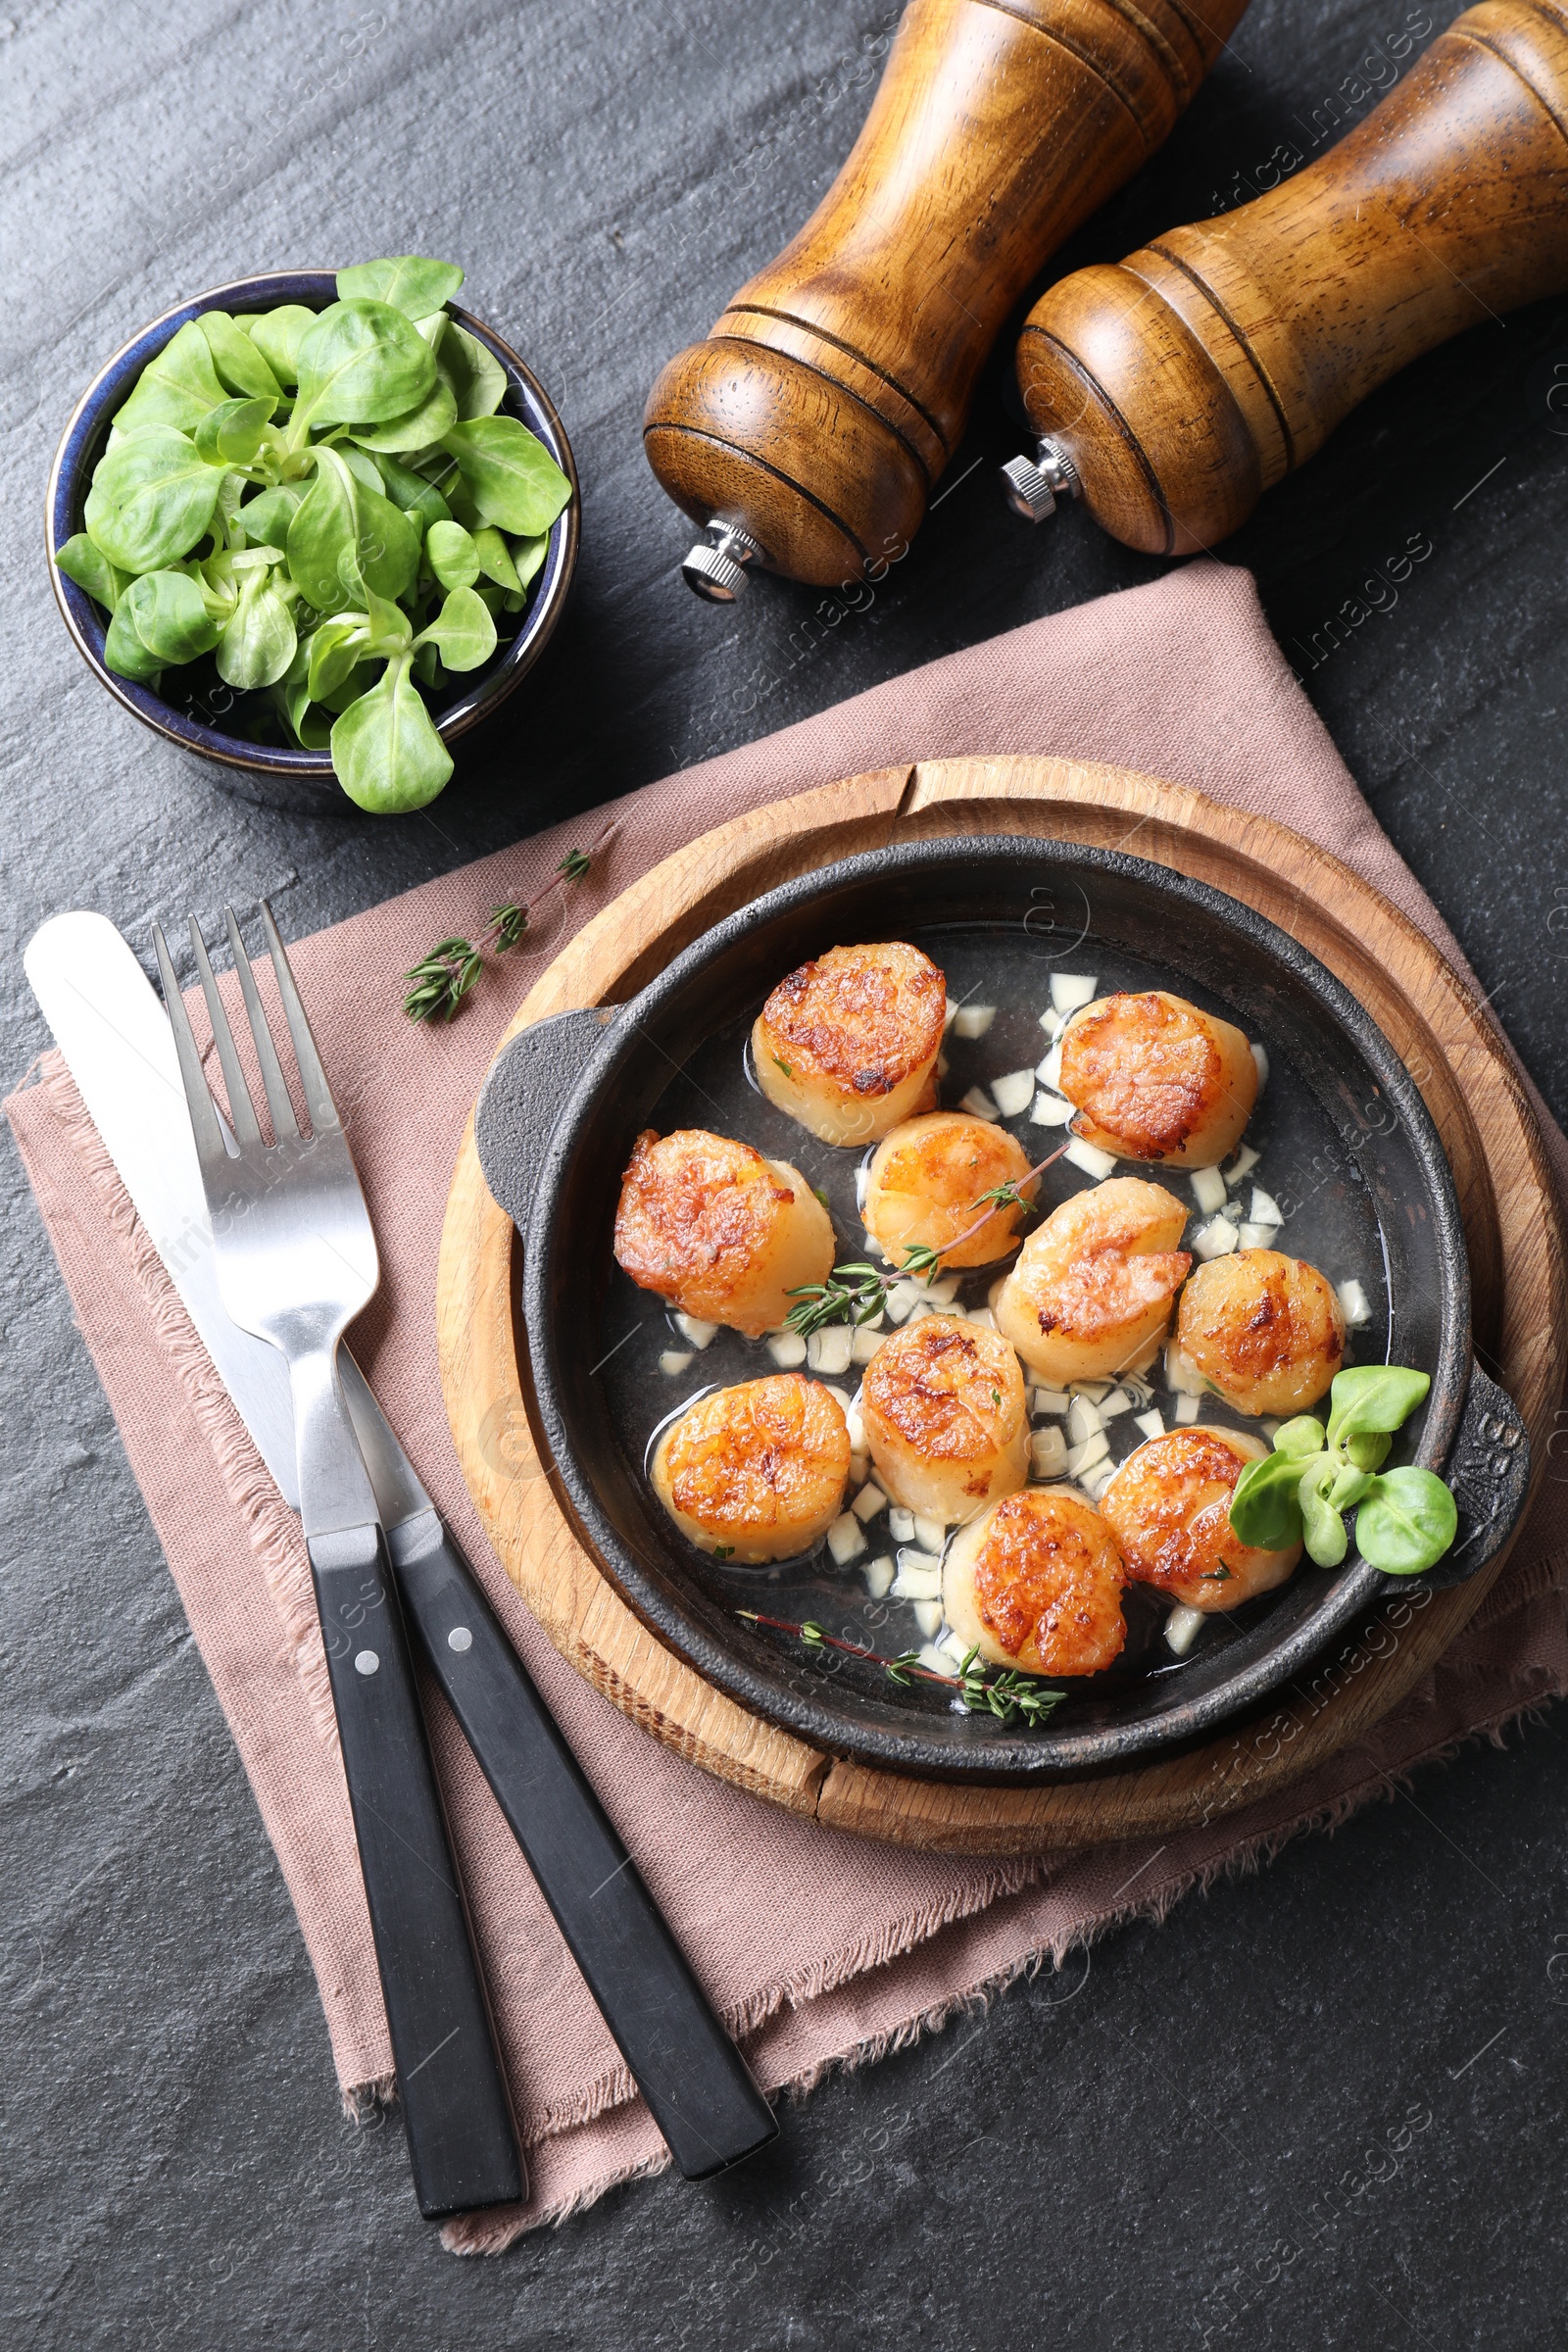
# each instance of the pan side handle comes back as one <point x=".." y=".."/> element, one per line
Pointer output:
<point x="1489" y="1471"/>
<point x="523" y="1097"/>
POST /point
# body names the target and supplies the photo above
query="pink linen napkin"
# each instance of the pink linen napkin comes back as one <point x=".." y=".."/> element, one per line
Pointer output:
<point x="817" y="1947"/>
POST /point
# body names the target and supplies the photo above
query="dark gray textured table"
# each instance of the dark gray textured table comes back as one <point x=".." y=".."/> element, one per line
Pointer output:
<point x="1171" y="2144"/>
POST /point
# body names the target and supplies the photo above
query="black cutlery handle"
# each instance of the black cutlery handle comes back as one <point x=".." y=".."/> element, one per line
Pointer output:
<point x="696" y="2084"/>
<point x="463" y="2141"/>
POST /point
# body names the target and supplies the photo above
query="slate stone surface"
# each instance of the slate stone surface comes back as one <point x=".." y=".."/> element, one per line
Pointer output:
<point x="1319" y="2107"/>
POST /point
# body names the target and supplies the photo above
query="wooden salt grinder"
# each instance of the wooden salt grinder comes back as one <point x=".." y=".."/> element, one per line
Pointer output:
<point x="807" y="432"/>
<point x="1173" y="388"/>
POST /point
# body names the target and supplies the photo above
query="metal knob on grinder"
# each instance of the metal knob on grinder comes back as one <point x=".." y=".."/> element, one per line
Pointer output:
<point x="1181" y="383"/>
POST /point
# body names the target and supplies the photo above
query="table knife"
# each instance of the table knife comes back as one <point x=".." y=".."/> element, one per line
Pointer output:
<point x="117" y="1043"/>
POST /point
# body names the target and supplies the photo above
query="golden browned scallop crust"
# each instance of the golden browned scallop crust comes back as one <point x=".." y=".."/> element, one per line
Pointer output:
<point x="945" y="1415"/>
<point x="925" y="1183"/>
<point x="758" y="1469"/>
<point x="1168" y="1507"/>
<point x="1037" y="1582"/>
<point x="1154" y="1078"/>
<point x="718" y="1229"/>
<point x="1094" y="1284"/>
<point x="848" y="1045"/>
<point x="1266" y="1329"/>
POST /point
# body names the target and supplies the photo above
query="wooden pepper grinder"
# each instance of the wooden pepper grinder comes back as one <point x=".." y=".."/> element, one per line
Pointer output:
<point x="807" y="432"/>
<point x="1173" y="388"/>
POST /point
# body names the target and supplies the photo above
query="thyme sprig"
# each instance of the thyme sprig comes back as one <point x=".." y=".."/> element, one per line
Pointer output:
<point x="857" y="1293"/>
<point x="1010" y="1695"/>
<point x="440" y="981"/>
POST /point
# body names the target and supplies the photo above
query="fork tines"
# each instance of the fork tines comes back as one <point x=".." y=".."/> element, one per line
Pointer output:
<point x="317" y="1093"/>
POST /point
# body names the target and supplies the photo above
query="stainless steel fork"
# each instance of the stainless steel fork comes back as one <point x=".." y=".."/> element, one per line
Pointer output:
<point x="296" y="1261"/>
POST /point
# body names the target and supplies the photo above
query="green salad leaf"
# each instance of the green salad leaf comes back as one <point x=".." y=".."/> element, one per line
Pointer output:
<point x="410" y="284"/>
<point x="510" y="476"/>
<point x="152" y="498"/>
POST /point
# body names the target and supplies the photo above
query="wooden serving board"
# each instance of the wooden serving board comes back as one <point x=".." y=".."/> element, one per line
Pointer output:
<point x="1516" y="1254"/>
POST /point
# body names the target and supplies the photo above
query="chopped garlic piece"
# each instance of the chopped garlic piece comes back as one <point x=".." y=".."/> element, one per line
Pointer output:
<point x="1217" y="1239"/>
<point x="1083" y="1419"/>
<point x="689" y="1328"/>
<point x="1260" y="1056"/>
<point x="840" y="1397"/>
<point x="866" y="1343"/>
<point x="866" y="1505"/>
<point x="1014" y="1092"/>
<point x="1242" y="1165"/>
<point x="1266" y="1209"/>
<point x="920" y="1578"/>
<point x="1255" y="1237"/>
<point x="859" y="1469"/>
<point x="1182" y="1628"/>
<point x="1208" y="1190"/>
<point x="787" y="1350"/>
<point x="1069" y="990"/>
<point x="1118" y="1401"/>
<point x="983" y="1316"/>
<point x="1053" y="1023"/>
<point x="1050" y="1110"/>
<point x="944" y="1065"/>
<point x="973" y="1020"/>
<point x="829" y="1350"/>
<point x="1084" y="1457"/>
<point x="1048" y="1453"/>
<point x="1153" y="1424"/>
<point x="1354" y="1305"/>
<point x="1188" y="1407"/>
<point x="942" y="1292"/>
<point x="846" y="1539"/>
<point x="1094" y="1390"/>
<point x="951" y="1645"/>
<point x="1048" y="1400"/>
<point x="930" y="1534"/>
<point x="878" y="1576"/>
<point x="1098" y="1164"/>
<point x="1094" y="1482"/>
<point x="979" y="1103"/>
<point x="934" y="1660"/>
<point x="901" y="1525"/>
<point x="928" y="1617"/>
<point x="1049" y="1071"/>
<point x="673" y="1361"/>
<point x="902" y="1297"/>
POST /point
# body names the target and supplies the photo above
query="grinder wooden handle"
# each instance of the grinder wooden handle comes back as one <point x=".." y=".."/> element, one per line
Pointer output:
<point x="809" y="427"/>
<point x="1173" y="388"/>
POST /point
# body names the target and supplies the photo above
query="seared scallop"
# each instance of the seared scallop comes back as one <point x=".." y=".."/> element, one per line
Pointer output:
<point x="720" y="1231"/>
<point x="1169" y="1509"/>
<point x="1093" y="1288"/>
<point x="1268" y="1330"/>
<point x="925" y="1183"/>
<point x="1036" y="1582"/>
<point x="849" y="1045"/>
<point x="1154" y="1078"/>
<point x="945" y="1417"/>
<point x="756" y="1472"/>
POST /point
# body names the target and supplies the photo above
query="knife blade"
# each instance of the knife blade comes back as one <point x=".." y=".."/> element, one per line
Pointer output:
<point x="117" y="1045"/>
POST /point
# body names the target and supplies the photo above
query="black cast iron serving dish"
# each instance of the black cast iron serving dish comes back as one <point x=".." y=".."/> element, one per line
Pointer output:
<point x="1347" y="1146"/>
<point x="281" y="775"/>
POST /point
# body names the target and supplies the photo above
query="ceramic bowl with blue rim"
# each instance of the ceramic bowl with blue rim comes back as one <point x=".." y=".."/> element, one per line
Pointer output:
<point x="277" y="774"/>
